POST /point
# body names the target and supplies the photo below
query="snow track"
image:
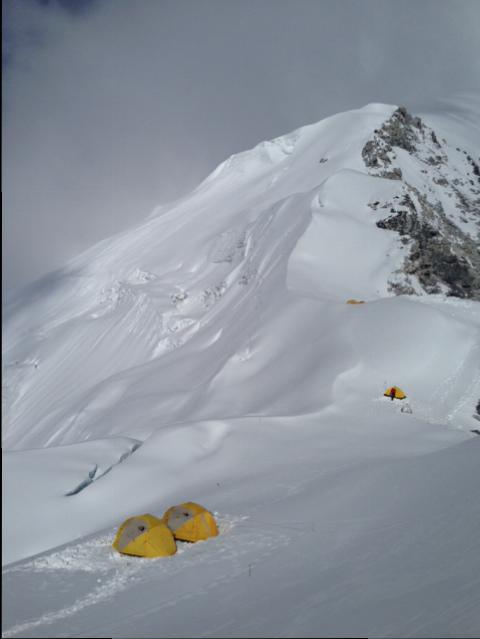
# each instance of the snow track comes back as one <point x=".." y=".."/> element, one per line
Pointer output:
<point x="364" y="536"/>
<point x="111" y="573"/>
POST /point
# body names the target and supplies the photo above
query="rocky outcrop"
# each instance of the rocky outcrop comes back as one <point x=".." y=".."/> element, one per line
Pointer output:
<point x="444" y="259"/>
<point x="444" y="253"/>
<point x="401" y="130"/>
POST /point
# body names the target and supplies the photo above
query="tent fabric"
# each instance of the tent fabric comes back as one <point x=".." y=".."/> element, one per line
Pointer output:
<point x="145" y="536"/>
<point x="190" y="522"/>
<point x="355" y="302"/>
<point x="398" y="392"/>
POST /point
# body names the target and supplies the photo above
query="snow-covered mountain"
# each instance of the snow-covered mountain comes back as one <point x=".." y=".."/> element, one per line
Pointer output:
<point x="209" y="353"/>
<point x="207" y="305"/>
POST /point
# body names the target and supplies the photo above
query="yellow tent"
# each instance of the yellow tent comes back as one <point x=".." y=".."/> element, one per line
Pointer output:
<point x="355" y="302"/>
<point x="145" y="536"/>
<point x="190" y="522"/>
<point x="395" y="393"/>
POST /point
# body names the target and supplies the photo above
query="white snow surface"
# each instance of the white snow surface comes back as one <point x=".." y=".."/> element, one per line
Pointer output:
<point x="209" y="355"/>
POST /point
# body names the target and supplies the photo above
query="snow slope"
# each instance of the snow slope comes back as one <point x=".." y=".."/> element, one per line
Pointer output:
<point x="290" y="219"/>
<point x="383" y="548"/>
<point x="208" y="354"/>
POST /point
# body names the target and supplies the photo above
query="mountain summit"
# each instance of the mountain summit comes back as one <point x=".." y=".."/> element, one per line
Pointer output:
<point x="231" y="300"/>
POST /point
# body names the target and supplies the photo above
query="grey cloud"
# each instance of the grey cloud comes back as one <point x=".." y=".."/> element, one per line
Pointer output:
<point x="125" y="104"/>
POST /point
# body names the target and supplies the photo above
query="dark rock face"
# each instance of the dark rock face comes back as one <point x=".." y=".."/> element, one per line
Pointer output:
<point x="434" y="264"/>
<point x="431" y="257"/>
<point x="475" y="167"/>
<point x="442" y="257"/>
<point x="401" y="130"/>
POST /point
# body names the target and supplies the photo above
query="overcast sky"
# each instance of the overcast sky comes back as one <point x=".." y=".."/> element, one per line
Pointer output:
<point x="111" y="107"/>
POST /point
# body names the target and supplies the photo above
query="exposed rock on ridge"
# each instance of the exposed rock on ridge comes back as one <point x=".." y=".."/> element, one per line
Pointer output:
<point x="443" y="257"/>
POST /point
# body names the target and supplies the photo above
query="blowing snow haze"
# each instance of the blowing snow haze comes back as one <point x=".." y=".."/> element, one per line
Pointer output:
<point x="111" y="108"/>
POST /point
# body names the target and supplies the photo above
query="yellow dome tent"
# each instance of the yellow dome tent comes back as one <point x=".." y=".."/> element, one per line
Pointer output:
<point x="394" y="392"/>
<point x="355" y="302"/>
<point x="145" y="536"/>
<point x="190" y="522"/>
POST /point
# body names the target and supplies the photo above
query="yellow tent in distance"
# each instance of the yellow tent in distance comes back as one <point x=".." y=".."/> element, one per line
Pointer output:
<point x="190" y="522"/>
<point x="395" y="393"/>
<point x="145" y="536"/>
<point x="355" y="302"/>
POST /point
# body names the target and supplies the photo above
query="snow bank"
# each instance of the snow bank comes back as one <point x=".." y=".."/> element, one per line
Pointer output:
<point x="41" y="489"/>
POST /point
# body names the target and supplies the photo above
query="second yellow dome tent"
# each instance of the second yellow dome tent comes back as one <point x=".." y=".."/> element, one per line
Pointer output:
<point x="190" y="522"/>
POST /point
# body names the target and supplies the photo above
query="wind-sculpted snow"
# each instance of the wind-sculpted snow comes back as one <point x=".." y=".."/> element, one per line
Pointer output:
<point x="209" y="354"/>
<point x="149" y="328"/>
